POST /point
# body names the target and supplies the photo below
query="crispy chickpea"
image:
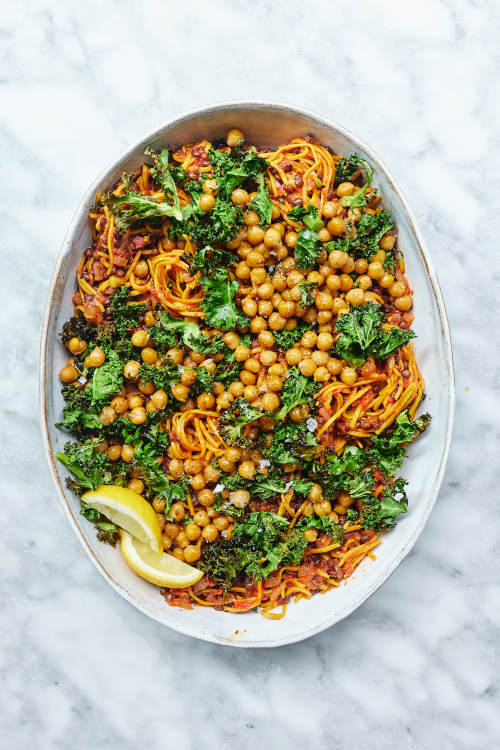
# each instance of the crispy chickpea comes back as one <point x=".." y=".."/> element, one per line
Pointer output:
<point x="233" y="453"/>
<point x="320" y="358"/>
<point x="131" y="370"/>
<point x="220" y="523"/>
<point x="322" y="508"/>
<point x="149" y="355"/>
<point x="277" y="369"/>
<point x="211" y="473"/>
<point x="286" y="309"/>
<point x="326" y="270"/>
<point x="254" y="259"/>
<point x="192" y="466"/>
<point x="206" y="497"/>
<point x="270" y="402"/>
<point x="210" y="533"/>
<point x="375" y="270"/>
<point x="247" y="377"/>
<point x="309" y="339"/>
<point x="177" y="356"/>
<point x="360" y="265"/>
<point x="166" y="542"/>
<point x="307" y="367"/>
<point x="258" y="324"/>
<point x="246" y="469"/>
<point x="137" y="415"/>
<point x="188" y="376"/>
<point x="107" y="416"/>
<point x="333" y="282"/>
<point x="178" y="552"/>
<point x="177" y="512"/>
<point x="265" y="290"/>
<point x="364" y="282"/>
<point x="231" y="340"/>
<point x="397" y="289"/>
<point x="324" y="317"/>
<point x="249" y="307"/>
<point x="334" y="366"/>
<point x="226" y="465"/>
<point x="96" y="358"/>
<point x="405" y="302"/>
<point x="311" y="535"/>
<point x="274" y="383"/>
<point x="114" y="452"/>
<point x="324" y="342"/>
<point x="76" y="345"/>
<point x="193" y="532"/>
<point x="336" y="226"/>
<point x="136" y="485"/>
<point x="207" y="202"/>
<point x="141" y="269"/>
<point x="191" y="552"/>
<point x="276" y="322"/>
<point x="241" y="353"/>
<point x="251" y="218"/>
<point x="293" y="356"/>
<point x="255" y="234"/>
<point x="387" y="242"/>
<point x="308" y="509"/>
<point x="324" y="235"/>
<point x="348" y="375"/>
<point x="252" y="365"/>
<point x="386" y="280"/>
<point x="179" y="391"/>
<point x="279" y="282"/>
<point x="201" y="518"/>
<point x="197" y="482"/>
<point x="291" y="238"/>
<point x="345" y="188"/>
<point x="236" y="388"/>
<point x="299" y="413"/>
<point x="239" y="197"/>
<point x="159" y="506"/>
<point x="379" y="256"/>
<point x="346" y="282"/>
<point x="324" y="300"/>
<point x="134" y="401"/>
<point x="330" y="209"/>
<point x="159" y="399"/>
<point x="321" y="375"/>
<point x="266" y="339"/>
<point x="250" y="392"/>
<point x="355" y="297"/>
<point x="349" y="265"/>
<point x="268" y="357"/>
<point x="272" y="237"/>
<point x="205" y="401"/>
<point x="337" y="258"/>
<point x="127" y="453"/>
<point x="68" y="374"/>
<point x="242" y="271"/>
<point x="339" y="306"/>
<point x="234" y="137"/>
<point x="146" y="388"/>
<point x="315" y="494"/>
<point x="140" y="338"/>
<point x="275" y="212"/>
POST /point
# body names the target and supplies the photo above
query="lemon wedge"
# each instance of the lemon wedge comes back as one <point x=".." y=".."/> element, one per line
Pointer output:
<point x="129" y="510"/>
<point x="157" y="567"/>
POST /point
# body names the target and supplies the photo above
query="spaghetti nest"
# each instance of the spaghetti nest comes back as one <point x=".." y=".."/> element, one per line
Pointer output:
<point x="261" y="390"/>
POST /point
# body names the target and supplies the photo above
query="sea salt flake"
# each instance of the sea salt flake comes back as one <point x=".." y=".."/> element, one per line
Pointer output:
<point x="311" y="424"/>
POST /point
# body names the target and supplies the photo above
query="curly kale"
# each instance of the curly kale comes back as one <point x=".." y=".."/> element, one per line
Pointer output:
<point x="291" y="443"/>
<point x="233" y="421"/>
<point x="125" y="313"/>
<point x="218" y="302"/>
<point x="179" y="332"/>
<point x="208" y="259"/>
<point x="297" y="390"/>
<point x="380" y="513"/>
<point x="286" y="339"/>
<point x="387" y="452"/>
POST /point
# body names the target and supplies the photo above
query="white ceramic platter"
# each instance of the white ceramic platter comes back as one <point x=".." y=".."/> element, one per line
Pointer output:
<point x="264" y="124"/>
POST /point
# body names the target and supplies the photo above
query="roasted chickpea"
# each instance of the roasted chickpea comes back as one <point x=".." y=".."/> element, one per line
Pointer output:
<point x="246" y="469"/>
<point x="114" y="452"/>
<point x="279" y="282"/>
<point x="405" y="302"/>
<point x="364" y="282"/>
<point x="274" y="382"/>
<point x="311" y="535"/>
<point x="137" y="415"/>
<point x="272" y="237"/>
<point x="397" y="289"/>
<point x="188" y="376"/>
<point x="330" y="209"/>
<point x="345" y="188"/>
<point x="339" y="306"/>
<point x="266" y="339"/>
<point x="255" y="234"/>
<point x="193" y="532"/>
<point x="320" y="358"/>
<point x="134" y="401"/>
<point x="140" y="338"/>
<point x="355" y="297"/>
<point x="321" y="375"/>
<point x="299" y="413"/>
<point x="207" y="202"/>
<point x="127" y="453"/>
<point x="293" y="356"/>
<point x="276" y="322"/>
<point x="166" y="541"/>
<point x="387" y="242"/>
<point x="324" y="235"/>
<point x="336" y="226"/>
<point x="76" y="345"/>
<point x="307" y="367"/>
<point x="242" y="271"/>
<point x="348" y="375"/>
<point x="360" y="265"/>
<point x="149" y="355"/>
<point x="205" y="401"/>
<point x="254" y="259"/>
<point x="346" y="282"/>
<point x="68" y="374"/>
<point x="206" y="497"/>
<point x="159" y="399"/>
<point x="191" y="552"/>
<point x="96" y="358"/>
<point x="309" y="339"/>
<point x="107" y="416"/>
<point x="146" y="388"/>
<point x="131" y="370"/>
<point x="322" y="508"/>
<point x="334" y="366"/>
<point x="250" y="392"/>
<point x="236" y="388"/>
<point x="179" y="391"/>
<point x="270" y="402"/>
<point x="234" y="137"/>
<point x="210" y="533"/>
<point x="251" y="218"/>
<point x="375" y="270"/>
<point x="177" y="356"/>
<point x="136" y="485"/>
<point x="386" y="280"/>
<point x="177" y="512"/>
<point x="239" y="197"/>
<point x="324" y="342"/>
<point x="324" y="300"/>
<point x="333" y="282"/>
<point x="291" y="238"/>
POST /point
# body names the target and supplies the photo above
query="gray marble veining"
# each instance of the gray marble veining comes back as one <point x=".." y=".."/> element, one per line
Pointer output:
<point x="417" y="666"/>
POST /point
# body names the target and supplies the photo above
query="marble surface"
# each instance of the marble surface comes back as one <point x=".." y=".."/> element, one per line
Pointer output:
<point x="417" y="666"/>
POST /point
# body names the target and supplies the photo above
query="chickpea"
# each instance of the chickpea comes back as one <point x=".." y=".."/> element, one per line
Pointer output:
<point x="255" y="234"/>
<point x="270" y="402"/>
<point x="345" y="499"/>
<point x="320" y="358"/>
<point x="349" y="265"/>
<point x="326" y="270"/>
<point x="266" y="339"/>
<point x="250" y="392"/>
<point x="95" y="358"/>
<point x="265" y="290"/>
<point x="286" y="309"/>
<point x="277" y="369"/>
<point x="137" y="415"/>
<point x="315" y="494"/>
<point x="345" y="188"/>
<point x="131" y="370"/>
<point x="205" y="401"/>
<point x="146" y="388"/>
<point x="355" y="297"/>
<point x="249" y="307"/>
<point x="336" y="226"/>
<point x="107" y="416"/>
<point x="308" y="509"/>
<point x="210" y="533"/>
<point x="206" y="497"/>
<point x="360" y="265"/>
<point x="272" y="237"/>
<point x="397" y="289"/>
<point x="254" y="259"/>
<point x="236" y="389"/>
<point x="387" y="242"/>
<point x="140" y="338"/>
<point x="329" y="209"/>
<point x="114" y="452"/>
<point x="226" y="465"/>
<point x="68" y="374"/>
<point x="299" y="413"/>
<point x="334" y="366"/>
<point x="192" y="466"/>
<point x="364" y="282"/>
<point x="240" y="197"/>
<point x="322" y="508"/>
<point x="311" y="535"/>
<point x="242" y="271"/>
<point x="159" y="506"/>
<point x="293" y="356"/>
<point x="309" y="339"/>
<point x="324" y="235"/>
<point x="191" y="552"/>
<point x="307" y="367"/>
<point x="188" y="376"/>
<point x="246" y="469"/>
<point x="234" y="137"/>
<point x="176" y="468"/>
<point x="405" y="302"/>
<point x="386" y="280"/>
<point x="149" y="355"/>
<point x="324" y="300"/>
<point x="275" y="212"/>
<point x="324" y="342"/>
<point x="127" y="453"/>
<point x="177" y="356"/>
<point x="321" y="375"/>
<point x="207" y="202"/>
<point x="375" y="270"/>
<point x="193" y="532"/>
<point x="136" y="485"/>
<point x="178" y="553"/>
<point x="179" y="391"/>
<point x="274" y="383"/>
<point x="258" y="324"/>
<point x="348" y="375"/>
<point x="159" y="399"/>
<point x="166" y="541"/>
<point x="276" y="322"/>
<point x="177" y="512"/>
<point x="337" y="259"/>
<point x="339" y="306"/>
<point x="77" y="346"/>
<point x="291" y="238"/>
<point x="247" y="378"/>
<point x="279" y="282"/>
<point x="268" y="357"/>
<point x="346" y="282"/>
<point x="379" y="256"/>
<point x="324" y="317"/>
<point x="252" y="365"/>
<point x="251" y="218"/>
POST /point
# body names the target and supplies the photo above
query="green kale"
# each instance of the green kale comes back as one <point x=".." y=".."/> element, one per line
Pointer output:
<point x="233" y="421"/>
<point x="262" y="203"/>
<point x="361" y="335"/>
<point x="90" y="467"/>
<point x="106" y="530"/>
<point x="178" y="174"/>
<point x="162" y="375"/>
<point x="358" y="200"/>
<point x="227" y="508"/>
<point x="379" y="513"/>
<point x="160" y="171"/>
<point x="308" y="216"/>
<point x="387" y="453"/>
<point x="107" y="380"/>
<point x="216" y="227"/>
<point x="125" y="313"/>
<point x="302" y="486"/>
<point x="203" y="383"/>
<point x="80" y="415"/>
<point x="286" y="339"/>
<point x="297" y="390"/>
<point x="324" y="524"/>
<point x="352" y="515"/>
<point x="307" y="249"/>
<point x="77" y="328"/>
<point x="208" y="259"/>
<point x="187" y="333"/>
<point x="306" y="297"/>
<point x="218" y="302"/>
<point x="291" y="443"/>
<point x="365" y="242"/>
<point x="347" y="169"/>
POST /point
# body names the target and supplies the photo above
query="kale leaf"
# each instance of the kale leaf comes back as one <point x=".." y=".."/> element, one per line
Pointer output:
<point x="297" y="390"/>
<point x="233" y="421"/>
<point x="208" y="259"/>
<point x="307" y="249"/>
<point x="379" y="513"/>
<point x="286" y="339"/>
<point x="218" y="301"/>
<point x="308" y="216"/>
